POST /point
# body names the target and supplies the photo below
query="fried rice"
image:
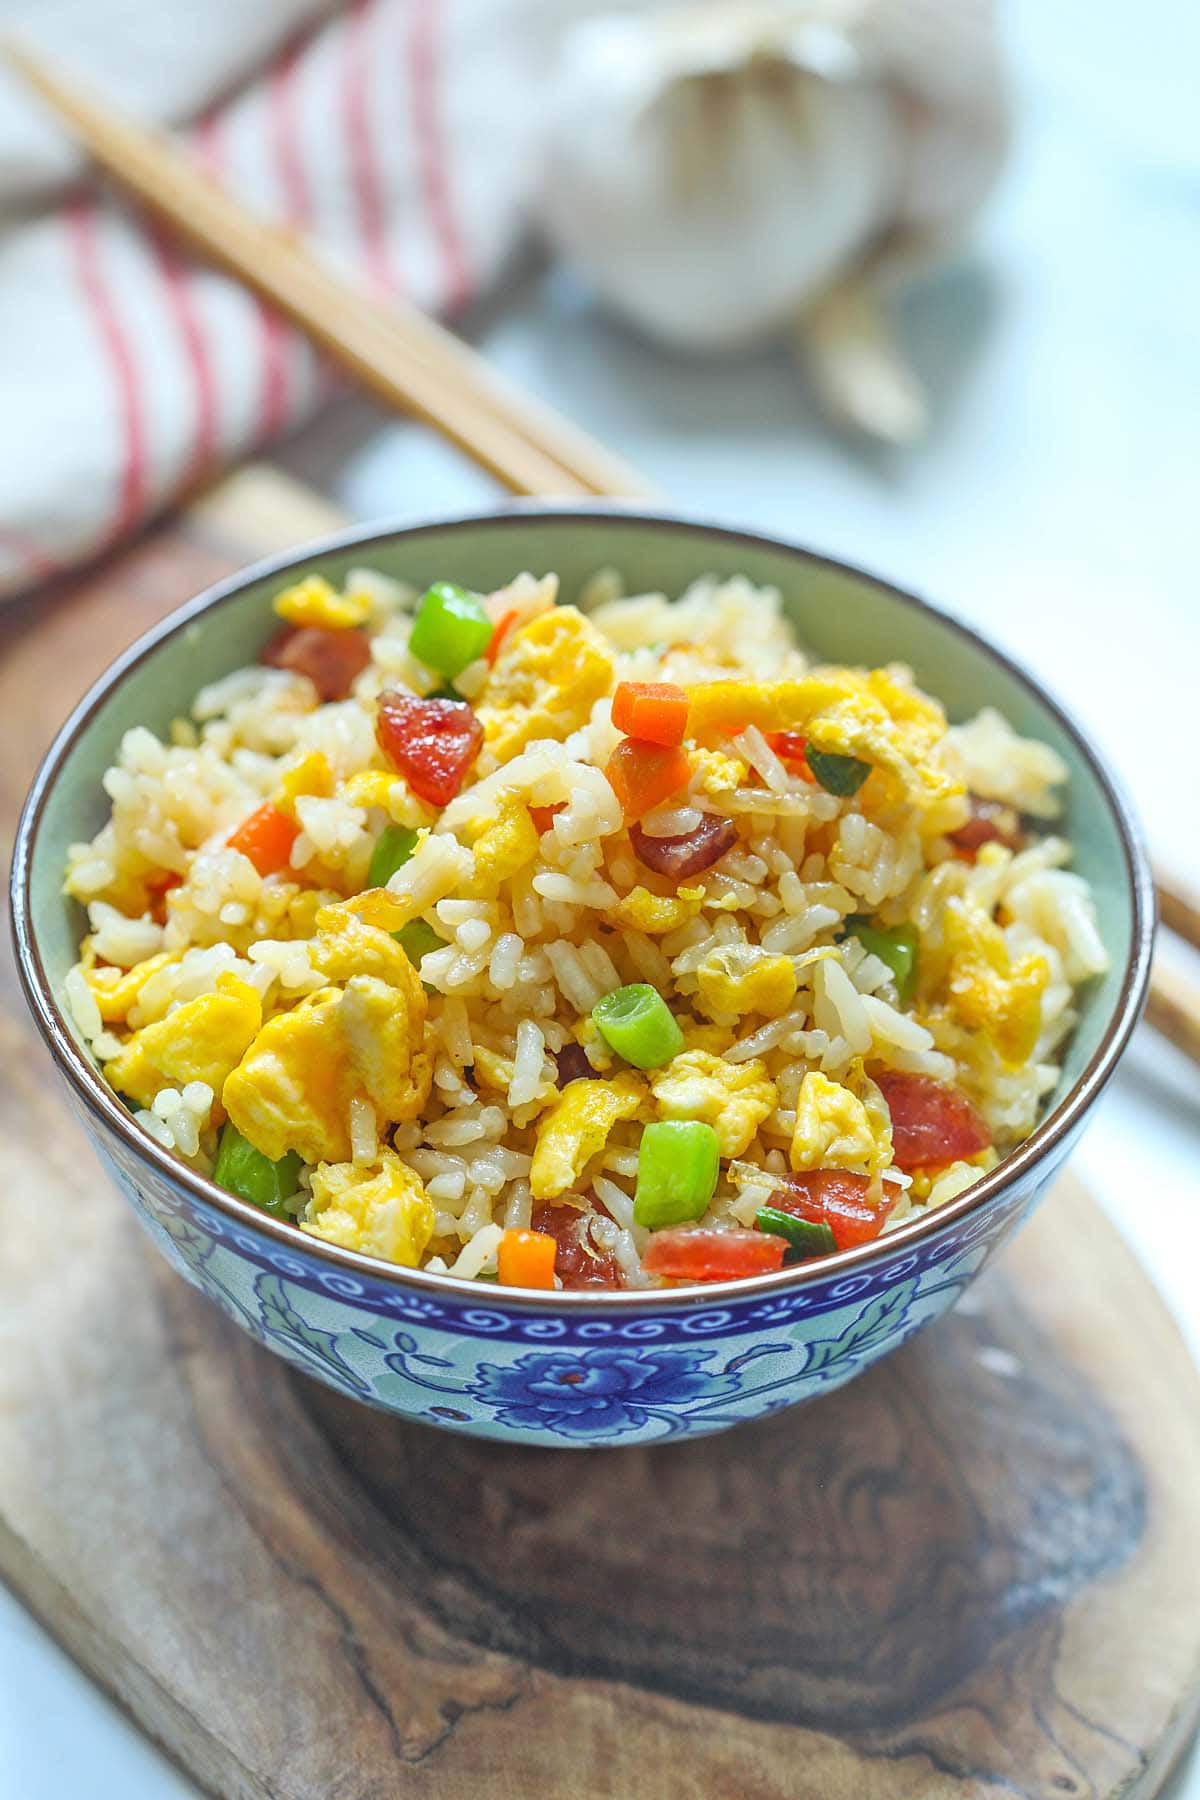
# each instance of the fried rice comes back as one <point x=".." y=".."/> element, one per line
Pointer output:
<point x="830" y="959"/>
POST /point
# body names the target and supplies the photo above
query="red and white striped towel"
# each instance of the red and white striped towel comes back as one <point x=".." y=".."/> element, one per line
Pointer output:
<point x="397" y="133"/>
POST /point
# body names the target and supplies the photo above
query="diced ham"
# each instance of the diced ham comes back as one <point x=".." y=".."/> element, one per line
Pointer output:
<point x="332" y="660"/>
<point x="705" y="1255"/>
<point x="431" y="742"/>
<point x="579" y="1261"/>
<point x="833" y="1197"/>
<point x="689" y="854"/>
<point x="932" y="1123"/>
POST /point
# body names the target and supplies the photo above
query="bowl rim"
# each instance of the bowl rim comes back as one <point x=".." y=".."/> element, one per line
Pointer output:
<point x="1053" y="1131"/>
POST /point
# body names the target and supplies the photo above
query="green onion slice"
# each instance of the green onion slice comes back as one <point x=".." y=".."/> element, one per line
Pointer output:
<point x="638" y="1024"/>
<point x="837" y="774"/>
<point x="417" y="939"/>
<point x="393" y="847"/>
<point x="678" y="1162"/>
<point x="804" y="1237"/>
<point x="451" y="629"/>
<point x="898" y="948"/>
<point x="245" y="1171"/>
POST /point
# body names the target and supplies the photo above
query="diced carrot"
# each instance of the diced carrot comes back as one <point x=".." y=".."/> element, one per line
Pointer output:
<point x="543" y="817"/>
<point x="158" y="886"/>
<point x="266" y="837"/>
<point x="504" y="625"/>
<point x="655" y="711"/>
<point x="526" y="1259"/>
<point x="643" y="775"/>
<point x="790" y="746"/>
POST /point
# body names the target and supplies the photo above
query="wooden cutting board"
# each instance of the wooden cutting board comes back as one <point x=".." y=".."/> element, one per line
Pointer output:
<point x="973" y="1572"/>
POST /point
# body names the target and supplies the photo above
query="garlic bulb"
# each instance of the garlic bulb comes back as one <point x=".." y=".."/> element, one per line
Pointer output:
<point x="739" y="170"/>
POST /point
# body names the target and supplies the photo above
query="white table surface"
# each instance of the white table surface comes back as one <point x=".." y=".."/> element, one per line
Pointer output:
<point x="1055" y="502"/>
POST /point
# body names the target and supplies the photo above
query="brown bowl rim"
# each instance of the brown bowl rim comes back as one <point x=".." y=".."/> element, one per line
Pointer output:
<point x="1059" y="1124"/>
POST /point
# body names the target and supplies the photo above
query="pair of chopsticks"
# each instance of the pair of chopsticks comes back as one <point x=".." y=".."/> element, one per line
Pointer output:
<point x="400" y="355"/>
<point x="410" y="362"/>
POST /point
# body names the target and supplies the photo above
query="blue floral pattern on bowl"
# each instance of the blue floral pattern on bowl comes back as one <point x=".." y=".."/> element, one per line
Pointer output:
<point x="665" y="1370"/>
<point x="599" y="1393"/>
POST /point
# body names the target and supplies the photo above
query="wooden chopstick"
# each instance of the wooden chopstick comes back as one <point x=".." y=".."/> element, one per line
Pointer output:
<point x="403" y="357"/>
<point x="1173" y="1004"/>
<point x="1178" y="909"/>
<point x="1173" y="1008"/>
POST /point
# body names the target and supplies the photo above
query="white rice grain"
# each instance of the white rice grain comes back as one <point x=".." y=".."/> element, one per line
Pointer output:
<point x="82" y="1003"/>
<point x="671" y="821"/>
<point x="576" y="986"/>
<point x="473" y="934"/>
<point x="647" y="959"/>
<point x="600" y="966"/>
<point x="518" y="1207"/>
<point x="456" y="1032"/>
<point x="753" y="747"/>
<point x="597" y="894"/>
<point x="527" y="1064"/>
<point x="364" y="1132"/>
<point x="615" y="1199"/>
<point x="478" y="1252"/>
<point x="890" y="1027"/>
<point x="622" y="1162"/>
<point x="450" y="1184"/>
<point x="505" y="960"/>
<point x="487" y="1174"/>
<point x="120" y="940"/>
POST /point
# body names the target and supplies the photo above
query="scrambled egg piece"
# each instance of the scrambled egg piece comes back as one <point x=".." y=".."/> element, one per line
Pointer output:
<point x="292" y="1089"/>
<point x="656" y="914"/>
<point x="940" y="1185"/>
<point x="742" y="978"/>
<point x="382" y="1211"/>
<point x="716" y="1039"/>
<point x="985" y="988"/>
<point x="505" y="844"/>
<point x="311" y="774"/>
<point x="870" y="715"/>
<point x="313" y="602"/>
<point x="381" y="909"/>
<point x="202" y="1040"/>
<point x="116" y="991"/>
<point x="364" y="1038"/>
<point x="835" y="1128"/>
<point x="495" y="1071"/>
<point x="734" y="1098"/>
<point x="384" y="1034"/>
<point x="714" y="773"/>
<point x="347" y="945"/>
<point x="577" y="1128"/>
<point x="369" y="787"/>
<point x="545" y="681"/>
<point x="492" y="1069"/>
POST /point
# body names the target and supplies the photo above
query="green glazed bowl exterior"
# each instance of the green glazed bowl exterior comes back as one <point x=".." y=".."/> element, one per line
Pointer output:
<point x="573" y="1368"/>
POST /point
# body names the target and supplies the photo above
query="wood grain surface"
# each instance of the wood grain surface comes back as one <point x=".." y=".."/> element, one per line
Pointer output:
<point x="970" y="1573"/>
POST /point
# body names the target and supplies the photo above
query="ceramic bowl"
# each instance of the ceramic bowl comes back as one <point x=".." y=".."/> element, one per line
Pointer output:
<point x="573" y="1368"/>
